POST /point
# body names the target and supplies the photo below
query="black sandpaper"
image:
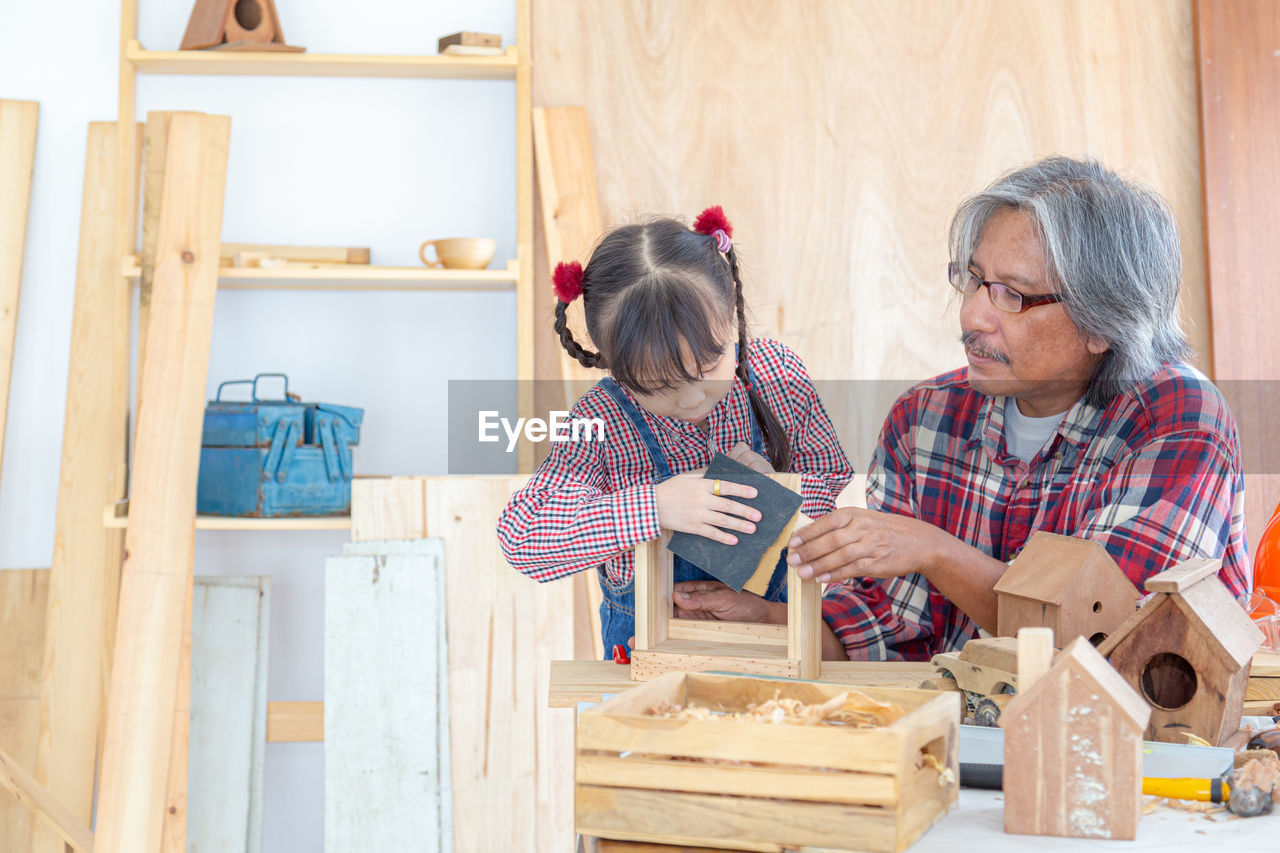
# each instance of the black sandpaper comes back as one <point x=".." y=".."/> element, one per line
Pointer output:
<point x="735" y="564"/>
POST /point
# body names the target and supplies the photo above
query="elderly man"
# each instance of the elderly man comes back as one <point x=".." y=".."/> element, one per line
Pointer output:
<point x="1076" y="415"/>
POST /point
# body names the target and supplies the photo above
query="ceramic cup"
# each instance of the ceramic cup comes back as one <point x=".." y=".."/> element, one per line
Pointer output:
<point x="460" y="253"/>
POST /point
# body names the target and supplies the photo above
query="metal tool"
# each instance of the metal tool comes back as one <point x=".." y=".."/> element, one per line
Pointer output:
<point x="1243" y="800"/>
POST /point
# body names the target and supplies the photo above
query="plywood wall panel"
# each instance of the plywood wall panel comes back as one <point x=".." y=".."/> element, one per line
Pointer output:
<point x="840" y="136"/>
<point x="1238" y="47"/>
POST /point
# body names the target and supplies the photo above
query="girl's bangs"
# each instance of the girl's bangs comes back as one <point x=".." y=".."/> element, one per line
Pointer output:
<point x="665" y="333"/>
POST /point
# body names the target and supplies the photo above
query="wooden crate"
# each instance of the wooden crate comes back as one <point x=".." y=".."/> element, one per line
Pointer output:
<point x="816" y="786"/>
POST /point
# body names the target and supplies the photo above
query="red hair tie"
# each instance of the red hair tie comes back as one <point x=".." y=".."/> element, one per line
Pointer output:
<point x="714" y="223"/>
<point x="567" y="280"/>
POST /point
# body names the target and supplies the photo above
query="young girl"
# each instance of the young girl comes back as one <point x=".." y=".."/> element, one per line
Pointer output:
<point x="664" y="305"/>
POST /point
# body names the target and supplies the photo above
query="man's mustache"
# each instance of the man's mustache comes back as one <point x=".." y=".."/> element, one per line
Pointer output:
<point x="972" y="342"/>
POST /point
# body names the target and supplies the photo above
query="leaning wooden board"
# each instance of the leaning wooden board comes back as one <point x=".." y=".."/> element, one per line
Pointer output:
<point x="22" y="616"/>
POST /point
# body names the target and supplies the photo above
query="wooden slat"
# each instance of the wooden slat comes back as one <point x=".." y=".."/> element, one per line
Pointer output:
<point x="587" y="681"/>
<point x="815" y="785"/>
<point x="23" y="595"/>
<point x="154" y="154"/>
<point x="385" y="771"/>
<point x="33" y="796"/>
<point x="295" y="722"/>
<point x="301" y="254"/>
<point x="1035" y="653"/>
<point x="84" y="579"/>
<point x="711" y="631"/>
<point x="512" y="760"/>
<point x="160" y="538"/>
<point x="385" y="508"/>
<point x="1183" y="575"/>
<point x="263" y="63"/>
<point x="17" y="159"/>
<point x="173" y="834"/>
<point x="229" y="630"/>
<point x="1239" y="113"/>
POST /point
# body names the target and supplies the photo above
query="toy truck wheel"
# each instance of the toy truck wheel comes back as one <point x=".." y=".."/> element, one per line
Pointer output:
<point x="987" y="711"/>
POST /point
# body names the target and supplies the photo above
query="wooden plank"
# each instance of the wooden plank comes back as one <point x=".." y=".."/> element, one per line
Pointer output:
<point x="697" y="656"/>
<point x="84" y="578"/>
<point x="587" y="681"/>
<point x="654" y="574"/>
<point x="1239" y="110"/>
<point x="160" y="538"/>
<point x="711" y="631"/>
<point x="743" y="823"/>
<point x="229" y="630"/>
<point x="1265" y="665"/>
<point x="816" y="785"/>
<point x="23" y="597"/>
<point x="173" y="834"/>
<point x="263" y="63"/>
<point x="154" y="154"/>
<point x="385" y="508"/>
<point x="512" y="760"/>
<point x="1035" y="653"/>
<point x="18" y="121"/>
<point x="33" y="796"/>
<point x="524" y="227"/>
<point x="295" y="722"/>
<point x="570" y="203"/>
<point x="300" y="254"/>
<point x="1183" y="575"/>
<point x="386" y="778"/>
<point x="804" y="624"/>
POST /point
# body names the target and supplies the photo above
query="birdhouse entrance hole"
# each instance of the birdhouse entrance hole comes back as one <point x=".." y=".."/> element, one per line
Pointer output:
<point x="1168" y="681"/>
<point x="1097" y="638"/>
<point x="248" y="14"/>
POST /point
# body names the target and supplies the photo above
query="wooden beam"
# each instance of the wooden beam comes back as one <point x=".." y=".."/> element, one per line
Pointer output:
<point x="386" y="508"/>
<point x="512" y="761"/>
<point x="17" y="159"/>
<point x="386" y="699"/>
<point x="1236" y="50"/>
<point x="34" y="796"/>
<point x="295" y="722"/>
<point x="161" y="536"/>
<point x="23" y="598"/>
<point x="84" y="579"/>
<point x="229" y="632"/>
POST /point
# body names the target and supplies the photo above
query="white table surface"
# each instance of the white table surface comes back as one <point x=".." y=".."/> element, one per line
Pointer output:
<point x="977" y="826"/>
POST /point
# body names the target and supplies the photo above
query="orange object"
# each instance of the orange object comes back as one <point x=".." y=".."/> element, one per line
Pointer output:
<point x="1266" y="559"/>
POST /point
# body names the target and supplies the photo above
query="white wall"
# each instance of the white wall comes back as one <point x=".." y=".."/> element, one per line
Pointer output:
<point x="378" y="163"/>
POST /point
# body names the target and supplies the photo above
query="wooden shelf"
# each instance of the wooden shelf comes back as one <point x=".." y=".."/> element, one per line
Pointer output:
<point x="353" y="277"/>
<point x="280" y="64"/>
<point x="117" y="515"/>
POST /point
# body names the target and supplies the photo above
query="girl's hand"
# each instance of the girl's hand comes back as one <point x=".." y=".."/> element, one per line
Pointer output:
<point x="744" y="454"/>
<point x="686" y="502"/>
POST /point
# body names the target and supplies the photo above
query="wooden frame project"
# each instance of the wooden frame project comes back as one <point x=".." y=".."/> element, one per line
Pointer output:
<point x="667" y="644"/>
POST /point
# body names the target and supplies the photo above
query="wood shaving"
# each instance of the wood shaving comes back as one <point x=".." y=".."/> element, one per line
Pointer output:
<point x="1261" y="771"/>
<point x="850" y="708"/>
<point x="945" y="774"/>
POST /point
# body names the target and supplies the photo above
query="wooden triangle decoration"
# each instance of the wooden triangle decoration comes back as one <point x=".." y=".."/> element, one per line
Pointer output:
<point x="235" y="25"/>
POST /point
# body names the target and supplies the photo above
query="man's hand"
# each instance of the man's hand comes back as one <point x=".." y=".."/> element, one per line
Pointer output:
<point x="851" y="542"/>
<point x="714" y="600"/>
<point x="744" y="454"/>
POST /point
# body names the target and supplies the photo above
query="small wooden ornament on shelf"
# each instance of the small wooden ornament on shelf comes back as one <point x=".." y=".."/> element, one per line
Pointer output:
<point x="665" y="644"/>
<point x="236" y="25"/>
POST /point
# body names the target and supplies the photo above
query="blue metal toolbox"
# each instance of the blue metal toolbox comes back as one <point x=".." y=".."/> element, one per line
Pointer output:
<point x="276" y="457"/>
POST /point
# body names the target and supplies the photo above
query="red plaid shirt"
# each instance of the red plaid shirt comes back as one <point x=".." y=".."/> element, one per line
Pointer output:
<point x="590" y="502"/>
<point x="1155" y="477"/>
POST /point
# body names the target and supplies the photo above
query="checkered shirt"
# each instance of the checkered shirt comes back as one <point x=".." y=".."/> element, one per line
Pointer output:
<point x="590" y="503"/>
<point x="1155" y="476"/>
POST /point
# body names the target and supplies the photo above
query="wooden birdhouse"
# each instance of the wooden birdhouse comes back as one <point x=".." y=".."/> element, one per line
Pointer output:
<point x="664" y="643"/>
<point x="235" y="25"/>
<point x="1065" y="583"/>
<point x="1072" y="745"/>
<point x="1187" y="651"/>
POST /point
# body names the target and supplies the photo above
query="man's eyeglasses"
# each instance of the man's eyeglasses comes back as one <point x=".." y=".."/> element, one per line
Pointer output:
<point x="1002" y="296"/>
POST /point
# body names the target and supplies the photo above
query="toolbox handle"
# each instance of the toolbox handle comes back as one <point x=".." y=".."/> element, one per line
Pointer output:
<point x="254" y="392"/>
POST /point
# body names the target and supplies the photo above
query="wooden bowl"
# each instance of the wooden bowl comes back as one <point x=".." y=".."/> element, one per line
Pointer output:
<point x="460" y="253"/>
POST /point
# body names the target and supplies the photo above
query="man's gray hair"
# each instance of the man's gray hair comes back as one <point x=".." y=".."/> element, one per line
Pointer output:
<point x="1111" y="246"/>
